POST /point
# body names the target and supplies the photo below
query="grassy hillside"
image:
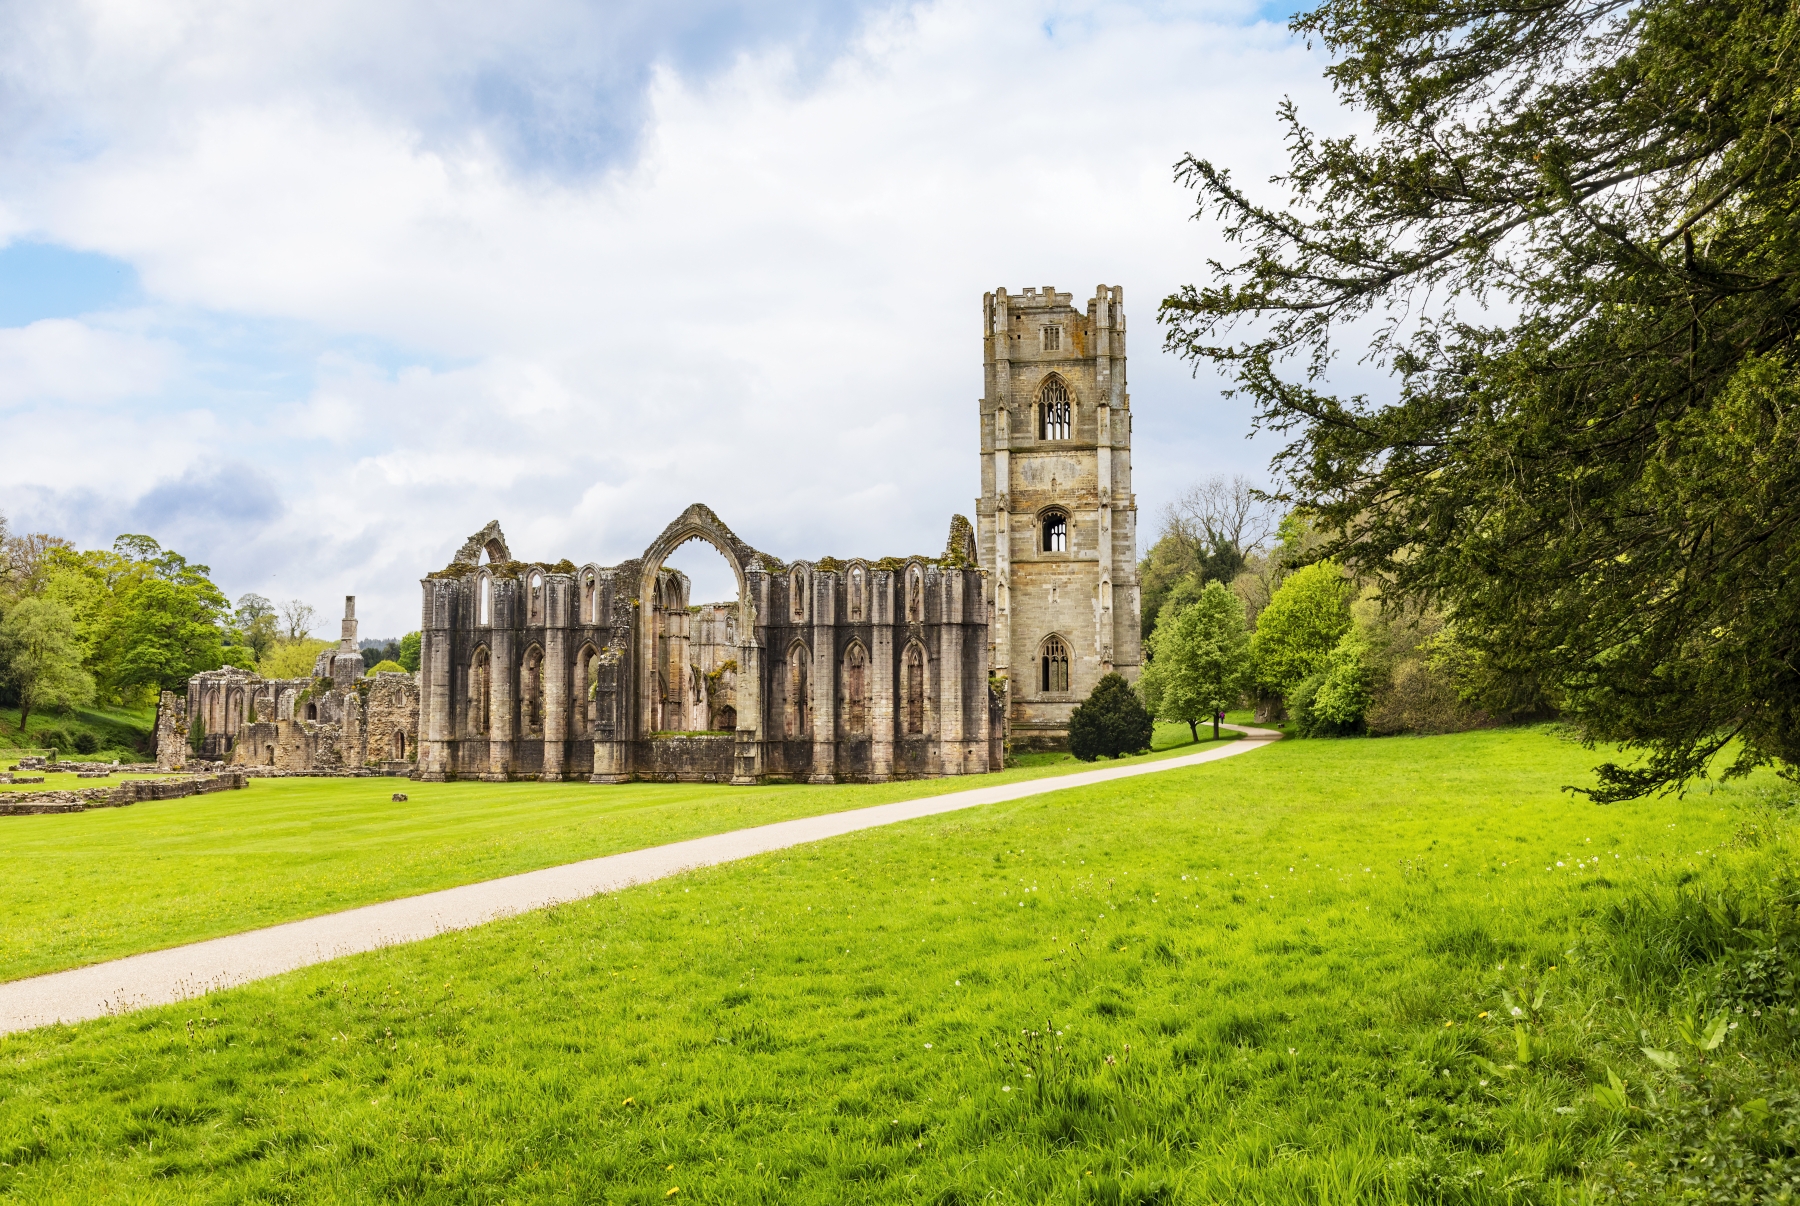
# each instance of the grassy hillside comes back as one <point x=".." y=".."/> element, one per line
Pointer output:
<point x="123" y="733"/>
<point x="1287" y="977"/>
<point x="97" y="885"/>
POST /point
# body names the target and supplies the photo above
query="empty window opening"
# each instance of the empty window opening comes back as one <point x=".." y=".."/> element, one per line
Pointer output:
<point x="797" y="587"/>
<point x="479" y="693"/>
<point x="915" y="595"/>
<point x="587" y="686"/>
<point x="856" y="689"/>
<point x="1055" y="660"/>
<point x="312" y="711"/>
<point x="798" y="714"/>
<point x="1056" y="532"/>
<point x="856" y="593"/>
<point x="537" y="598"/>
<point x="484" y="608"/>
<point x="913" y="688"/>
<point x="1053" y="411"/>
<point x="587" y="606"/>
<point x="531" y="702"/>
<point x="399" y="746"/>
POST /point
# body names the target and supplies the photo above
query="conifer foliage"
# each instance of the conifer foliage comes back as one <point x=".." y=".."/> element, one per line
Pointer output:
<point x="1570" y="236"/>
<point x="1112" y="721"/>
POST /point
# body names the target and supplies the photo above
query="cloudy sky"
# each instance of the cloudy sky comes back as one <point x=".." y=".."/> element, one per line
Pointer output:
<point x="311" y="291"/>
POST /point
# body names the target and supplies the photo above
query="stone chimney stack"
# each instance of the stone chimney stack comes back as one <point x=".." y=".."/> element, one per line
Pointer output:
<point x="347" y="663"/>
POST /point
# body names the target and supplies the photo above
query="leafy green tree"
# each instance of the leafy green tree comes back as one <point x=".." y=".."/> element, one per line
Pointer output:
<point x="40" y="656"/>
<point x="255" y="626"/>
<point x="1303" y="622"/>
<point x="409" y="652"/>
<point x="1571" y="237"/>
<point x="1201" y="662"/>
<point x="1112" y="721"/>
<point x="1334" y="700"/>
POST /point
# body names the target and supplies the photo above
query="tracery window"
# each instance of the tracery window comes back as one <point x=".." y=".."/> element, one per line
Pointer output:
<point x="1055" y="665"/>
<point x="1056" y="532"/>
<point x="1053" y="410"/>
<point x="1052" y="338"/>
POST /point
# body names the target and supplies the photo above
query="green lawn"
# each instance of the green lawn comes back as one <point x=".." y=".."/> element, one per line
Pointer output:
<point x="1276" y="978"/>
<point x="96" y="885"/>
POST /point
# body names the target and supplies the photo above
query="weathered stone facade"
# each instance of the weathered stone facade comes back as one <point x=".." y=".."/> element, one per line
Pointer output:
<point x="338" y="720"/>
<point x="1058" y="520"/>
<point x="821" y="671"/>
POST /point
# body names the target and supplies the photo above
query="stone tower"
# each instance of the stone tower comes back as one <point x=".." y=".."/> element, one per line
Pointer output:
<point x="1057" y="519"/>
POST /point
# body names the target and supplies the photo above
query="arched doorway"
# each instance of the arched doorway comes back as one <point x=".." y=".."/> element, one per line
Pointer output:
<point x="697" y="657"/>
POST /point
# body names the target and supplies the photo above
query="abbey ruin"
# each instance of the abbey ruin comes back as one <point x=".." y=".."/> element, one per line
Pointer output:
<point x="823" y="671"/>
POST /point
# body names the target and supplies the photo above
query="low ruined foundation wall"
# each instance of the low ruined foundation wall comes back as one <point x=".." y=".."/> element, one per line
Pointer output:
<point x="135" y="791"/>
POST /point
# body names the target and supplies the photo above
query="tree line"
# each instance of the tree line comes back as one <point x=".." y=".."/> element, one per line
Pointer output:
<point x="117" y="626"/>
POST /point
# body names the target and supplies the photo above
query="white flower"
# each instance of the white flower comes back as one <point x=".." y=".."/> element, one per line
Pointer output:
<point x="1517" y="1012"/>
<point x="1006" y="1088"/>
<point x="927" y="1046"/>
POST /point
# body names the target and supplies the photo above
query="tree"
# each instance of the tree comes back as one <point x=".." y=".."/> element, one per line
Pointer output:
<point x="1570" y="237"/>
<point x="299" y="619"/>
<point x="1209" y="534"/>
<point x="40" y="657"/>
<point x="1110" y="721"/>
<point x="256" y="625"/>
<point x="1201" y="662"/>
<point x="1297" y="631"/>
<point x="409" y="652"/>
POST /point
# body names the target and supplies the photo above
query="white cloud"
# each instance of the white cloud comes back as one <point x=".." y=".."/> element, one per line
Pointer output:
<point x="68" y="363"/>
<point x="774" y="307"/>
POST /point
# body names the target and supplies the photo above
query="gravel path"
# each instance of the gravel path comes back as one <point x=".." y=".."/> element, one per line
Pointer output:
<point x="182" y="972"/>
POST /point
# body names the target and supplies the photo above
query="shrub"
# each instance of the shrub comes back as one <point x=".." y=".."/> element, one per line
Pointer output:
<point x="86" y="743"/>
<point x="1111" y="721"/>
<point x="378" y="667"/>
<point x="55" y="737"/>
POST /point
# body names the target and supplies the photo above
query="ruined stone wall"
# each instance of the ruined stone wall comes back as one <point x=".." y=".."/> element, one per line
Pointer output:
<point x="823" y="671"/>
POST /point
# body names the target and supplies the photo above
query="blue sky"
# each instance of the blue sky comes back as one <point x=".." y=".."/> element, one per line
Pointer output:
<point x="311" y="292"/>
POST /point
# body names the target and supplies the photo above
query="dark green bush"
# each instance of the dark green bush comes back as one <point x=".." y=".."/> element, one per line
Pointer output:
<point x="53" y="737"/>
<point x="1112" y="721"/>
<point x="86" y="743"/>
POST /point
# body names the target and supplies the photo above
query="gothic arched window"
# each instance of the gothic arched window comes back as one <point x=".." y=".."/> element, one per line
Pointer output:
<point x="1055" y="662"/>
<point x="915" y="595"/>
<point x="856" y="689"/>
<point x="797" y="587"/>
<point x="1053" y="410"/>
<point x="1056" y="532"/>
<point x="856" y="592"/>
<point x="480" y="692"/>
<point x="798" y="718"/>
<point x="912" y="689"/>
<point x="537" y="598"/>
<point x="588" y="612"/>
<point x="484" y="605"/>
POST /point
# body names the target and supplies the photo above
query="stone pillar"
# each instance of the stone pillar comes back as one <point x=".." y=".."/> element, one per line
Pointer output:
<point x="608" y="715"/>
<point x="1109" y="386"/>
<point x="1003" y="399"/>
<point x="950" y="689"/>
<point x="753" y="724"/>
<point x="975" y="698"/>
<point x="436" y="708"/>
<point x="884" y="695"/>
<point x="558" y="607"/>
<point x="503" y="677"/>
<point x="824" y="677"/>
